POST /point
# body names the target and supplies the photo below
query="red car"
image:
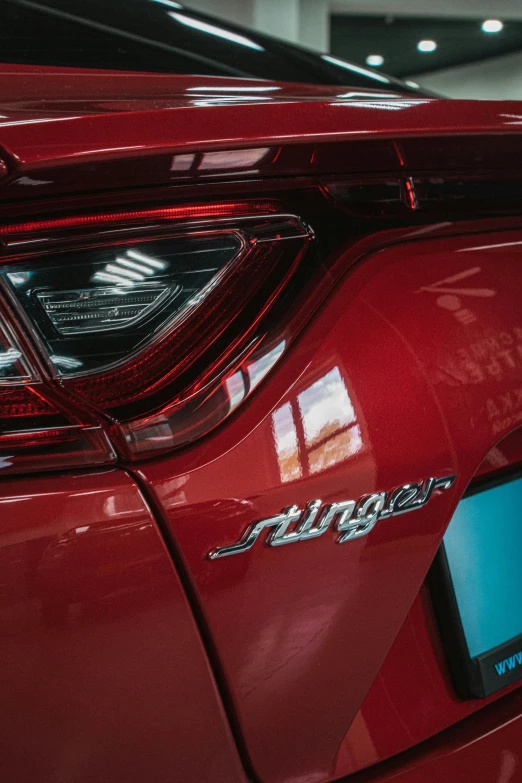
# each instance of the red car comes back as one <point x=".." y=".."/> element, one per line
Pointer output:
<point x="261" y="343"/>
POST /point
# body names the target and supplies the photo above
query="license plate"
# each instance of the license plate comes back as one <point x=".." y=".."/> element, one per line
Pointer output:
<point x="479" y="589"/>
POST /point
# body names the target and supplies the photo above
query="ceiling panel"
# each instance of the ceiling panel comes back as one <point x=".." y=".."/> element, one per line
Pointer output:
<point x="459" y="41"/>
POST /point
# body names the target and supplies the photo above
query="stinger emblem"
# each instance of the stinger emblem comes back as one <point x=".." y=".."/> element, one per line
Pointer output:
<point x="351" y="519"/>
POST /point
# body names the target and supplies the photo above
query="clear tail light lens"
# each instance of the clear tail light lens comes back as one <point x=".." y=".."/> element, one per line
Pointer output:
<point x="150" y="332"/>
<point x="13" y="365"/>
<point x="96" y="308"/>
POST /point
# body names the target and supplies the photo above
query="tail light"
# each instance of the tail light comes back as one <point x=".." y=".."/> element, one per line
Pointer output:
<point x="129" y="333"/>
<point x="143" y="330"/>
<point x="38" y="426"/>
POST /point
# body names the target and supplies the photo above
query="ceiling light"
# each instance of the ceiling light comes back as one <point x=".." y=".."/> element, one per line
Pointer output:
<point x="375" y="60"/>
<point x="426" y="46"/>
<point x="492" y="26"/>
<point x="412" y="84"/>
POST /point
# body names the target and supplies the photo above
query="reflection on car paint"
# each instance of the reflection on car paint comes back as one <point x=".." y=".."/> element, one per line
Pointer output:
<point x="317" y="429"/>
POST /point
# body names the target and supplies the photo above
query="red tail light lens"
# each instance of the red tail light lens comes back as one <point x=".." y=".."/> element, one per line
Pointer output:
<point x="157" y="329"/>
<point x="36" y="427"/>
<point x="193" y="211"/>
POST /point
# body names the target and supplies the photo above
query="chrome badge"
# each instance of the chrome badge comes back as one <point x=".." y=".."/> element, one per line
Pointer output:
<point x="352" y="518"/>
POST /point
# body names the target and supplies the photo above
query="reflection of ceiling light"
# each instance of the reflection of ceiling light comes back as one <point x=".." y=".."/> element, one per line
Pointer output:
<point x="66" y="361"/>
<point x="212" y="29"/>
<point x="228" y="100"/>
<point x="426" y="46"/>
<point x="9" y="357"/>
<point x="492" y="26"/>
<point x="148" y="260"/>
<point x="170" y="3"/>
<point x="233" y="159"/>
<point x="375" y="60"/>
<point x="123" y="271"/>
<point x="386" y="105"/>
<point x="182" y="162"/>
<point x="412" y="84"/>
<point x="369" y="95"/>
<point x="354" y="68"/>
<point x="246" y="89"/>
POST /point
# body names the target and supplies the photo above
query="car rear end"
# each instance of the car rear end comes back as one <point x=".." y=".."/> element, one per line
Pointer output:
<point x="240" y="346"/>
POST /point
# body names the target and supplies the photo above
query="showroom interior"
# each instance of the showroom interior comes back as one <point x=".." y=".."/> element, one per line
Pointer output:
<point x="471" y="49"/>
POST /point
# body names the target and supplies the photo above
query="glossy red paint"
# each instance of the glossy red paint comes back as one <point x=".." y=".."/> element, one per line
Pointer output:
<point x="394" y="380"/>
<point x="102" y="671"/>
<point x="302" y="631"/>
<point x="60" y="117"/>
<point x="412" y="697"/>
<point x="485" y="749"/>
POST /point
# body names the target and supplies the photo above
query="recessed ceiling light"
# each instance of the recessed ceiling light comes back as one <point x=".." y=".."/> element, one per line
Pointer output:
<point x="426" y="46"/>
<point x="492" y="26"/>
<point x="375" y="60"/>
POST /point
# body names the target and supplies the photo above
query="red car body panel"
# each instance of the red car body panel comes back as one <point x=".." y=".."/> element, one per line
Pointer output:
<point x="303" y="631"/>
<point x="60" y="116"/>
<point x="412" y="698"/>
<point x="103" y="674"/>
<point x="388" y="384"/>
<point x="484" y="749"/>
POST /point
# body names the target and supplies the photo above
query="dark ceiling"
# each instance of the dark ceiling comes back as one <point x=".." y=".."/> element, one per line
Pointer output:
<point x="395" y="38"/>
